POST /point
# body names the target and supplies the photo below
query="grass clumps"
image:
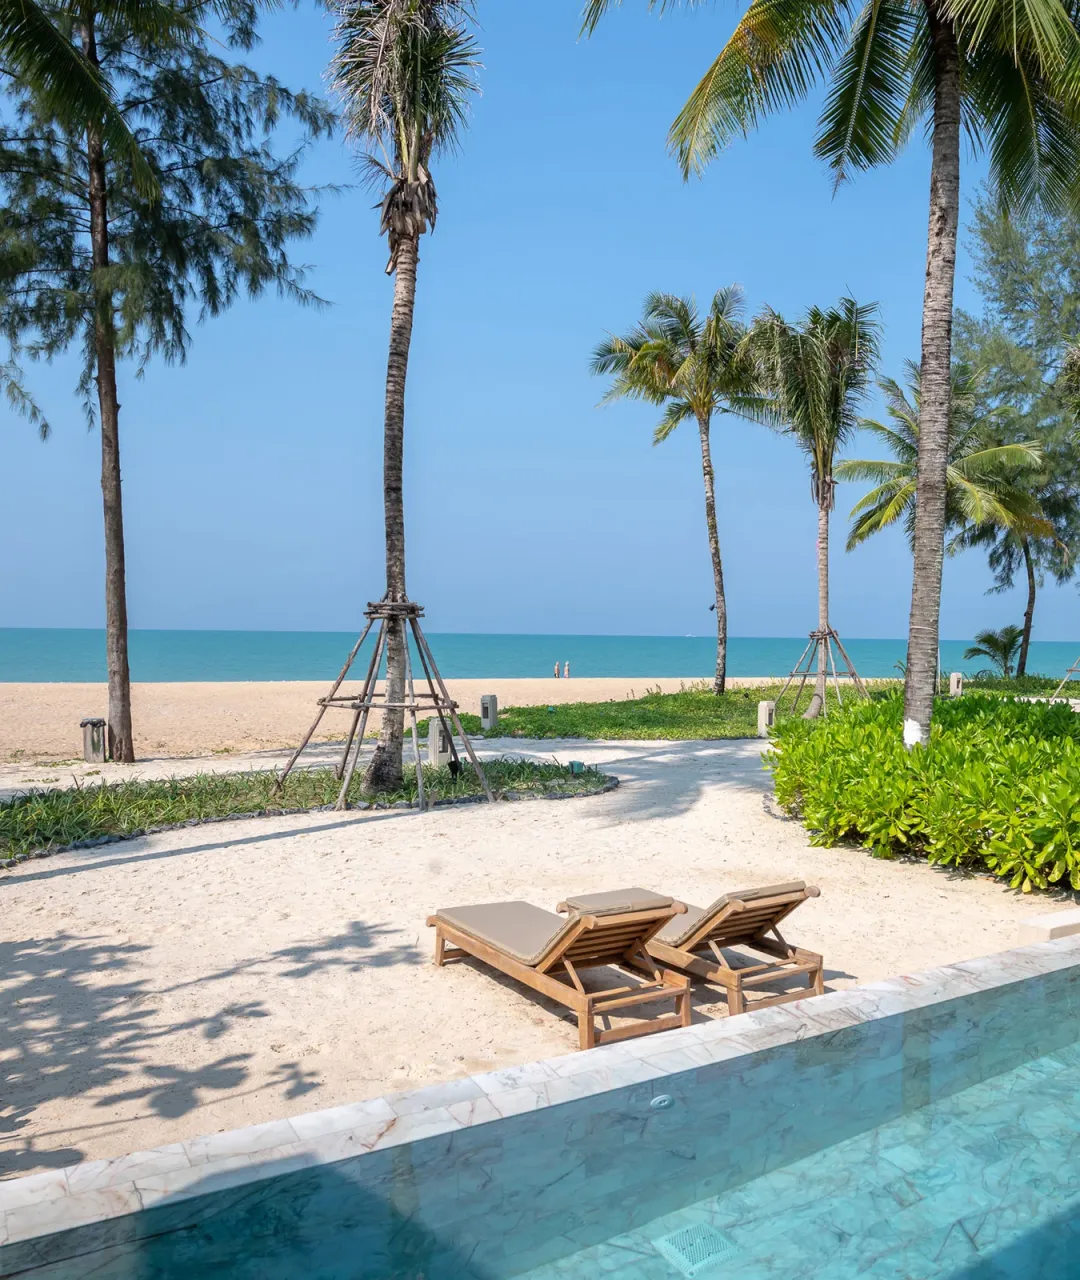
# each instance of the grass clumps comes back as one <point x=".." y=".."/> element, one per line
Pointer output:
<point x="695" y="712"/>
<point x="48" y="819"/>
<point x="997" y="788"/>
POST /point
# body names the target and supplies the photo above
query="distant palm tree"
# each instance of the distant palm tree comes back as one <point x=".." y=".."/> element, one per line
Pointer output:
<point x="405" y="70"/>
<point x="696" y="368"/>
<point x="815" y="373"/>
<point x="978" y="489"/>
<point x="999" y="646"/>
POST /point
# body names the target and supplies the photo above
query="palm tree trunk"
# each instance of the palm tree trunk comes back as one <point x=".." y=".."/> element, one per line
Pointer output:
<point x="817" y="702"/>
<point x="385" y="773"/>
<point x="920" y="680"/>
<point x="120" y="743"/>
<point x="1029" y="612"/>
<point x="720" y="679"/>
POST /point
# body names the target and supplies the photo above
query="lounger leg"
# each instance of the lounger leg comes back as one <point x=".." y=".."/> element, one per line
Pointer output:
<point x="440" y="947"/>
<point x="682" y="1005"/>
<point x="736" y="1001"/>
<point x="817" y="980"/>
<point x="586" y="1029"/>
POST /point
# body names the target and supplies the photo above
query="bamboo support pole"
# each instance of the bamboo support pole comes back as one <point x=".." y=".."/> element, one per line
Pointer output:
<point x="369" y="686"/>
<point x="421" y="642"/>
<point x="322" y="706"/>
<point x="412" y="715"/>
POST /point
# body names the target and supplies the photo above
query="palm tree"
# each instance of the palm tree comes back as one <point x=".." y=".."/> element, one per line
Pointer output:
<point x="1017" y="548"/>
<point x="696" y="368"/>
<point x="1008" y="73"/>
<point x="405" y="71"/>
<point x="979" y="490"/>
<point x="815" y="373"/>
<point x="999" y="646"/>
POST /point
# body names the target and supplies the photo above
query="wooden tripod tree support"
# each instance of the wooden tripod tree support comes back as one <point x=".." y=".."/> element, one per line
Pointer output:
<point x="399" y="615"/>
<point x="1065" y="679"/>
<point x="821" y="649"/>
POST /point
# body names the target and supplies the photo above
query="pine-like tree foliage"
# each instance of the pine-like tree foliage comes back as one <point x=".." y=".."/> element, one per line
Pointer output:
<point x="230" y="211"/>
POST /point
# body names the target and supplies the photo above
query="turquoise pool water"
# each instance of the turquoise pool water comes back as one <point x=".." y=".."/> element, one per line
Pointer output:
<point x="982" y="1185"/>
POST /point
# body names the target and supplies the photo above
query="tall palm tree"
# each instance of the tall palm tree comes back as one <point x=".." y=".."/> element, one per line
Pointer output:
<point x="979" y="490"/>
<point x="696" y="368"/>
<point x="1007" y="71"/>
<point x="815" y="374"/>
<point x="999" y="646"/>
<point x="405" y="70"/>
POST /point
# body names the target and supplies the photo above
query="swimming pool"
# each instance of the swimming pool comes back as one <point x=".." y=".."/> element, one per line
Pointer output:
<point x="928" y="1125"/>
<point x="984" y="1183"/>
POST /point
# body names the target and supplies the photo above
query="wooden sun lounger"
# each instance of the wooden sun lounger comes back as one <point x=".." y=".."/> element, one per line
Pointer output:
<point x="695" y="942"/>
<point x="546" y="952"/>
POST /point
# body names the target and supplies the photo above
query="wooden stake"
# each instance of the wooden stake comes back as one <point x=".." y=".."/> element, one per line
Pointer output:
<point x="322" y="706"/>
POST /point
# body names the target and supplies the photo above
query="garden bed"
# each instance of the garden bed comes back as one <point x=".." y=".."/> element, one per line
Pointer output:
<point x="40" y="822"/>
<point x="997" y="788"/>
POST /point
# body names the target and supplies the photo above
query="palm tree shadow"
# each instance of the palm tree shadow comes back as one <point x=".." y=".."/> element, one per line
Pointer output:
<point x="77" y="1017"/>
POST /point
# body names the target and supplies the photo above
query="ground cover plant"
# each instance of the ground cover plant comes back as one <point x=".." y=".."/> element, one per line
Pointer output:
<point x="998" y="786"/>
<point x="986" y="682"/>
<point x="695" y="712"/>
<point x="44" y="819"/>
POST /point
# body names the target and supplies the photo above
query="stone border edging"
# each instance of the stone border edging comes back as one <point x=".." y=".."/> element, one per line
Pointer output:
<point x="9" y="864"/>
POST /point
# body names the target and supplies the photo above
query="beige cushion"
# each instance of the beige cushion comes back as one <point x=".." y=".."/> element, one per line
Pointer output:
<point x="679" y="928"/>
<point x="518" y="928"/>
<point x="615" y="901"/>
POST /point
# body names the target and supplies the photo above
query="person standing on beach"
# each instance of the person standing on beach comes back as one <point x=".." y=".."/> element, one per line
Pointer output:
<point x="556" y="671"/>
<point x="566" y="669"/>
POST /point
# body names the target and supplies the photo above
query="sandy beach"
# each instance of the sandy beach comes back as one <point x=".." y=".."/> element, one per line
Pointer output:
<point x="207" y="978"/>
<point x="41" y="721"/>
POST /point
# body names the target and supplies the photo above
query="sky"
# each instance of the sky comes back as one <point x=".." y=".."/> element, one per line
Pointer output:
<point x="252" y="474"/>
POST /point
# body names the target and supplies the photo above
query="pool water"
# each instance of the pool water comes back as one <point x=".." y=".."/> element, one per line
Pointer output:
<point x="981" y="1185"/>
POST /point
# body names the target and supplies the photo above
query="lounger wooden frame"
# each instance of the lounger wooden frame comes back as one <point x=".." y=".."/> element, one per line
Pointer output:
<point x="747" y="924"/>
<point x="617" y="940"/>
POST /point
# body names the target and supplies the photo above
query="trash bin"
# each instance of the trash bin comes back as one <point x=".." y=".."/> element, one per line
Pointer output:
<point x="93" y="739"/>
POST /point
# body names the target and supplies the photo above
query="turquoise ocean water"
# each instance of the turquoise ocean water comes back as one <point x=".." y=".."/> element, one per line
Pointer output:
<point x="28" y="654"/>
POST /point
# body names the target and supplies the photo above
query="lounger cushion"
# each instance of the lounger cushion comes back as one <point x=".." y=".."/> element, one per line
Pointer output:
<point x="518" y="928"/>
<point x="678" y="928"/>
<point x="615" y="902"/>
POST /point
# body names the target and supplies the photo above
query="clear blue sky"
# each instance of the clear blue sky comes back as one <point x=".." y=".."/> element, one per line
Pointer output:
<point x="252" y="474"/>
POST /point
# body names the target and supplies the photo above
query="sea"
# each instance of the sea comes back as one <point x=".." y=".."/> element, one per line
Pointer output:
<point x="59" y="655"/>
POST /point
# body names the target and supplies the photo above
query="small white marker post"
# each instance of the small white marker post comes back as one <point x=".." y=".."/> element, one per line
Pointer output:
<point x="766" y="718"/>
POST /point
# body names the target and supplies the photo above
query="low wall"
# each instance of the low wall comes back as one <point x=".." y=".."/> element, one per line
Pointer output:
<point x="492" y="1174"/>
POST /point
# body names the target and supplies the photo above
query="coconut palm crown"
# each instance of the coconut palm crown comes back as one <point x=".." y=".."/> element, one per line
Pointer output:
<point x="405" y="70"/>
<point x="979" y="492"/>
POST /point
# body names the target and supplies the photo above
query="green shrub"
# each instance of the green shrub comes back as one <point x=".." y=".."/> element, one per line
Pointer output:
<point x="998" y="786"/>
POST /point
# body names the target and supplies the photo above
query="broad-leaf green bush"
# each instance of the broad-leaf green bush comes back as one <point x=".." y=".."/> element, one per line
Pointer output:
<point x="998" y="785"/>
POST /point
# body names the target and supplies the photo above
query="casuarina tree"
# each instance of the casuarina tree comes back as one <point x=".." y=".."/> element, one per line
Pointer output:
<point x="815" y="374"/>
<point x="405" y="70"/>
<point x="87" y="259"/>
<point x="1003" y="73"/>
<point x="695" y="367"/>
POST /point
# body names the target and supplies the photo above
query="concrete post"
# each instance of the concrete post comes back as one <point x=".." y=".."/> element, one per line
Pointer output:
<point x="93" y="737"/>
<point x="956" y="684"/>
<point x="766" y="718"/>
<point x="438" y="743"/>
<point x="489" y="711"/>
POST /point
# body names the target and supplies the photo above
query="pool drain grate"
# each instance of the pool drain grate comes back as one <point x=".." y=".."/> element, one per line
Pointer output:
<point x="693" y="1249"/>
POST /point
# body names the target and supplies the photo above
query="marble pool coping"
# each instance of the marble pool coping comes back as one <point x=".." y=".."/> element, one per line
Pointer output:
<point x="95" y="1191"/>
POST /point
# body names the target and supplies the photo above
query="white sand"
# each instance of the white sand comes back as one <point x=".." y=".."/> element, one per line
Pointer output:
<point x="225" y="975"/>
<point x="41" y="721"/>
